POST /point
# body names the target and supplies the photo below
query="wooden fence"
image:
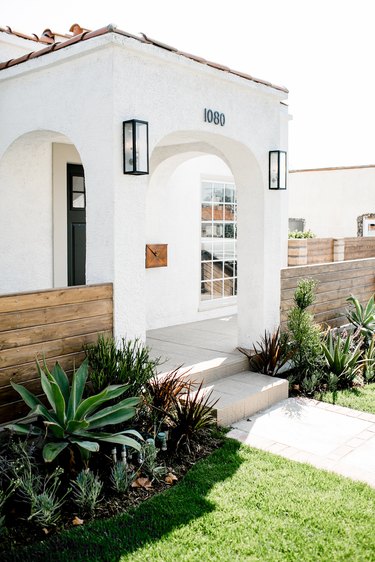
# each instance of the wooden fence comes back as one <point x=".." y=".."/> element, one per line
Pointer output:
<point x="54" y="324"/>
<point x="323" y="250"/>
<point x="336" y="282"/>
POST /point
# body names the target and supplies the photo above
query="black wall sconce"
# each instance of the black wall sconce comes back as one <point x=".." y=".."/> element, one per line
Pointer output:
<point x="277" y="169"/>
<point x="135" y="147"/>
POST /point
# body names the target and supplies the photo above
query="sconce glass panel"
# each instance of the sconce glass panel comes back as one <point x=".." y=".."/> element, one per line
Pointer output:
<point x="135" y="147"/>
<point x="277" y="169"/>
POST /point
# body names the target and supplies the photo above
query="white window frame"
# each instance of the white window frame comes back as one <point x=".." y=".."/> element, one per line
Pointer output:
<point x="223" y="300"/>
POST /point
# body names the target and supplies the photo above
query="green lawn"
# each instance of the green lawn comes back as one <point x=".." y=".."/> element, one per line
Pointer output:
<point x="240" y="504"/>
<point x="356" y="398"/>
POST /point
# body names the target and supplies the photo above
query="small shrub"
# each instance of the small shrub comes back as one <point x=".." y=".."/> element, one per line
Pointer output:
<point x="162" y="392"/>
<point x="304" y="295"/>
<point x="270" y="354"/>
<point x="193" y="412"/>
<point x="150" y="464"/>
<point x="46" y="505"/>
<point x="128" y="362"/>
<point x="120" y="479"/>
<point x="305" y="337"/>
<point x="86" y="491"/>
<point x="300" y="234"/>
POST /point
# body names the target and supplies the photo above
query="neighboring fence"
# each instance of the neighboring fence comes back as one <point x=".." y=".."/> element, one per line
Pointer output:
<point x="336" y="282"/>
<point x="55" y="324"/>
<point x="323" y="250"/>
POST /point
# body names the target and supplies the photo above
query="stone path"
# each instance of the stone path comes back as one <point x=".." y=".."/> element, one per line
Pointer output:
<point x="330" y="437"/>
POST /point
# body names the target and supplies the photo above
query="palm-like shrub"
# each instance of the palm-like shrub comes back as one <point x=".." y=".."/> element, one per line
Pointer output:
<point x="73" y="420"/>
<point x="270" y="354"/>
<point x="193" y="411"/>
<point x="162" y="392"/>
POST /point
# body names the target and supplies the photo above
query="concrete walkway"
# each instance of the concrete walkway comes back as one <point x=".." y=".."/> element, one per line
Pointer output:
<point x="330" y="437"/>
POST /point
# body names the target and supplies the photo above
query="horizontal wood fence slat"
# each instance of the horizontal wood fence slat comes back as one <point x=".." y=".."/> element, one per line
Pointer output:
<point x="55" y="324"/>
<point x="307" y="251"/>
<point x="336" y="282"/>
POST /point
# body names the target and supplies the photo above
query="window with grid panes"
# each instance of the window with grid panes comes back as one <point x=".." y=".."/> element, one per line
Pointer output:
<point x="218" y="240"/>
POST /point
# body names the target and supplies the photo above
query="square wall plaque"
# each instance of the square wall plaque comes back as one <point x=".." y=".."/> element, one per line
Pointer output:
<point x="156" y="255"/>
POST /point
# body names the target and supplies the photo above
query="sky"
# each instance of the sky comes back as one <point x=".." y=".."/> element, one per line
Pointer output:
<point x="322" y="51"/>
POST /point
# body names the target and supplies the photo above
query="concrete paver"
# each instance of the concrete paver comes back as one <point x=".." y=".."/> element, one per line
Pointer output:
<point x="327" y="436"/>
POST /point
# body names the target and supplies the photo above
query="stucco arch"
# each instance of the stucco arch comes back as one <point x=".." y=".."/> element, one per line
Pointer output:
<point x="33" y="210"/>
<point x="172" y="152"/>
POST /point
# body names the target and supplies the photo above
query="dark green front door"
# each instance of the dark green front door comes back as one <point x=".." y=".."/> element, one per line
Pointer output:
<point x="76" y="225"/>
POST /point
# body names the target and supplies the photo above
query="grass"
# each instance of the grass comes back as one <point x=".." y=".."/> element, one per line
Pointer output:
<point x="356" y="398"/>
<point x="239" y="504"/>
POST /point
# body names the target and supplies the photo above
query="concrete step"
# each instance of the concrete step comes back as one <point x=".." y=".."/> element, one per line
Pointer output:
<point x="242" y="394"/>
<point x="210" y="370"/>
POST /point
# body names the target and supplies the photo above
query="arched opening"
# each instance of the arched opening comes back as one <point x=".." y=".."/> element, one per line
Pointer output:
<point x="36" y="171"/>
<point x="184" y="166"/>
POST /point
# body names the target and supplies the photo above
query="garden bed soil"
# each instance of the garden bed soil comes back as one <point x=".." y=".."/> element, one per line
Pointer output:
<point x="20" y="532"/>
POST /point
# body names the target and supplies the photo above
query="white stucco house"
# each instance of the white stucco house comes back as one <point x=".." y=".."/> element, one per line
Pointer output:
<point x="333" y="202"/>
<point x="70" y="215"/>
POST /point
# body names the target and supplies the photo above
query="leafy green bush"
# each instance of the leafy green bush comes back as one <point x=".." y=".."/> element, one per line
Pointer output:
<point x="299" y="234"/>
<point x="305" y="338"/>
<point x="304" y="295"/>
<point x="128" y="362"/>
<point x="73" y="420"/>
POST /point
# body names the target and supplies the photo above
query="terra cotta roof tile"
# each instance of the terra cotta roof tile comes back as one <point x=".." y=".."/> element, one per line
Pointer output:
<point x="86" y="35"/>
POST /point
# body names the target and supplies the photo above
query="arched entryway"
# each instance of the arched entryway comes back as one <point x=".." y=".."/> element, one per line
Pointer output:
<point x="177" y="158"/>
<point x="41" y="186"/>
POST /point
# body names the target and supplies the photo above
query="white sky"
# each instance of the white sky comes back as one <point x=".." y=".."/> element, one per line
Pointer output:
<point x="323" y="51"/>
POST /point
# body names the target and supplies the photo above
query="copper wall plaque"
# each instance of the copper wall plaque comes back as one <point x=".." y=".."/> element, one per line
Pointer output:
<point x="156" y="255"/>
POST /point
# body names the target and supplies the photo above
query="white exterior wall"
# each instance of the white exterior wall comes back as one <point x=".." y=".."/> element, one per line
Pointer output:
<point x="174" y="218"/>
<point x="331" y="200"/>
<point x="87" y="90"/>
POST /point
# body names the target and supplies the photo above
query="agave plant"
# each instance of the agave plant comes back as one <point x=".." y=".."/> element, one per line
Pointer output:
<point x="342" y="360"/>
<point x="369" y="362"/>
<point x="362" y="317"/>
<point x="72" y="419"/>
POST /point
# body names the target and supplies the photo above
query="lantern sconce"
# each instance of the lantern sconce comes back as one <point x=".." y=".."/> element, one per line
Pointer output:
<point x="277" y="169"/>
<point x="135" y="147"/>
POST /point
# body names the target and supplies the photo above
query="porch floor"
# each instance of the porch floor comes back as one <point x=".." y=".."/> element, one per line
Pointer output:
<point x="201" y="347"/>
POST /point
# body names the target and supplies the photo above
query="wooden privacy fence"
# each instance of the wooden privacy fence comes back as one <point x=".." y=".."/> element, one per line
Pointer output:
<point x="302" y="251"/>
<point x="55" y="324"/>
<point x="336" y="282"/>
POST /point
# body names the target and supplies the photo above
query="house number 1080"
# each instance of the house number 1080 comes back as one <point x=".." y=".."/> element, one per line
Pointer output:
<point x="214" y="117"/>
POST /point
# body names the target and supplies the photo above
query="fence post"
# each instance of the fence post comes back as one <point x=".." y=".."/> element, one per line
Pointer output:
<point x="297" y="251"/>
<point x="339" y="249"/>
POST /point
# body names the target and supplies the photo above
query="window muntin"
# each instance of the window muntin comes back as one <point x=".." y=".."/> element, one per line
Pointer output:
<point x="218" y="240"/>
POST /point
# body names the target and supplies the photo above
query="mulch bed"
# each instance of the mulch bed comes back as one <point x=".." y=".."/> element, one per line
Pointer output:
<point x="21" y="532"/>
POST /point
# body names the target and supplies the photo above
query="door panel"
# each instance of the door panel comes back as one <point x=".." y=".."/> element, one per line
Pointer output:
<point x="76" y="225"/>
